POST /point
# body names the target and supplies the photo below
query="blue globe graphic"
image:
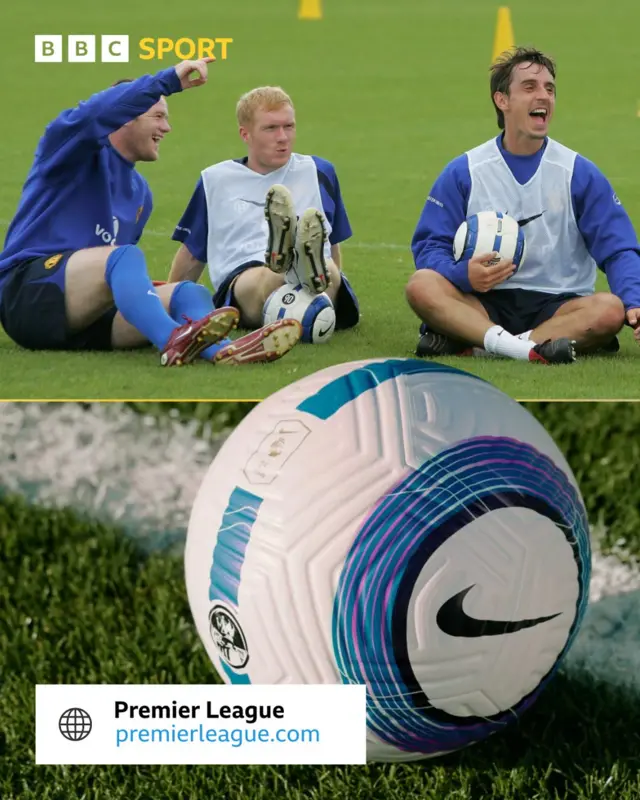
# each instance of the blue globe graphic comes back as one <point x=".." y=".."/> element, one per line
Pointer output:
<point x="75" y="724"/>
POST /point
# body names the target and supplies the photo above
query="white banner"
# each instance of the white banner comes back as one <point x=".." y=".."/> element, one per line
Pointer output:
<point x="203" y="724"/>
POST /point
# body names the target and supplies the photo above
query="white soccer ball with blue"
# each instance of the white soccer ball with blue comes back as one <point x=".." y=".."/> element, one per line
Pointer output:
<point x="399" y="524"/>
<point x="314" y="312"/>
<point x="491" y="232"/>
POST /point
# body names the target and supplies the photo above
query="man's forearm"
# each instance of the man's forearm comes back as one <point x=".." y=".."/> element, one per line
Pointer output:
<point x="623" y="275"/>
<point x="336" y="255"/>
<point x="185" y="267"/>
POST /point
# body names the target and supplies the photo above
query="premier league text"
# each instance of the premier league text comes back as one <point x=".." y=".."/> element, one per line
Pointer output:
<point x="248" y="713"/>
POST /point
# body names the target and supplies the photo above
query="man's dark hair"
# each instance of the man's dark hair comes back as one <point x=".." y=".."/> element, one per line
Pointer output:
<point x="122" y="80"/>
<point x="502" y="71"/>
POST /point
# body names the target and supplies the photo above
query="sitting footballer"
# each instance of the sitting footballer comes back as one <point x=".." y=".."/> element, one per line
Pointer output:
<point x="572" y="223"/>
<point x="269" y="227"/>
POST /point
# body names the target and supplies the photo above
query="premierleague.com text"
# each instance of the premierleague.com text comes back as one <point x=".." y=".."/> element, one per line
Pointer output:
<point x="236" y="737"/>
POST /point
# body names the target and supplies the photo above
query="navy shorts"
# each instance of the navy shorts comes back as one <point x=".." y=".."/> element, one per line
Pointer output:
<point x="520" y="310"/>
<point x="346" y="304"/>
<point x="32" y="309"/>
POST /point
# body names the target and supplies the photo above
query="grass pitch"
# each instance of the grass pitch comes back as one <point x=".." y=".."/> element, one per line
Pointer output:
<point x="388" y="91"/>
<point x="83" y="602"/>
<point x="80" y="603"/>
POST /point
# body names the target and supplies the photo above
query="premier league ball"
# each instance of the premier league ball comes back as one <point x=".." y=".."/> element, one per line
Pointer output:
<point x="399" y="524"/>
<point x="313" y="311"/>
<point x="489" y="232"/>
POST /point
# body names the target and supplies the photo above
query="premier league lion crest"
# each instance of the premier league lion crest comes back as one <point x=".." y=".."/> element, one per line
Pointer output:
<point x="228" y="637"/>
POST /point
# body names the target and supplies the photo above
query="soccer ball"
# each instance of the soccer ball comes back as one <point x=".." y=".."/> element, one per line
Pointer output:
<point x="489" y="232"/>
<point x="313" y="311"/>
<point x="400" y="524"/>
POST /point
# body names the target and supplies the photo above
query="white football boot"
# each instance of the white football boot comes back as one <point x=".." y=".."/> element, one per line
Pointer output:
<point x="280" y="214"/>
<point x="309" y="267"/>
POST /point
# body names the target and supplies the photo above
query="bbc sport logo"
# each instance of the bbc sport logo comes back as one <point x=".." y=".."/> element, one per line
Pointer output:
<point x="50" y="48"/>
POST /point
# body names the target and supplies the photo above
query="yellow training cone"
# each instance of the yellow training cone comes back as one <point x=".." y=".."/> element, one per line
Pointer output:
<point x="310" y="9"/>
<point x="503" y="39"/>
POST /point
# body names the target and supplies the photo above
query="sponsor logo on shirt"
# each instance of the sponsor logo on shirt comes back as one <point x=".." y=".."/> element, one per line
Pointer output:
<point x="431" y="199"/>
<point x="106" y="236"/>
<point x="616" y="199"/>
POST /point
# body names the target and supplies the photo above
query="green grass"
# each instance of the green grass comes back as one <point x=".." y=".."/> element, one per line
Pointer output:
<point x="80" y="603"/>
<point x="389" y="91"/>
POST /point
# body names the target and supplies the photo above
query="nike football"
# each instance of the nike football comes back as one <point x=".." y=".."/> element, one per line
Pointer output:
<point x="313" y="311"/>
<point x="491" y="232"/>
<point x="399" y="524"/>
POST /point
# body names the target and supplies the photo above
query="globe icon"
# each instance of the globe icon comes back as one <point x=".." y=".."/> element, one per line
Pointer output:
<point x="75" y="724"/>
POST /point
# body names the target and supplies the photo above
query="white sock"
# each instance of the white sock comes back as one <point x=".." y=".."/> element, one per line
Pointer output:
<point x="498" y="341"/>
<point x="525" y="336"/>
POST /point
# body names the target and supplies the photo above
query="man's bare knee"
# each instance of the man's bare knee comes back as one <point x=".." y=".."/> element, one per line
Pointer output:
<point x="87" y="295"/>
<point x="445" y="309"/>
<point x="427" y="289"/>
<point x="251" y="290"/>
<point x="608" y="314"/>
<point x="591" y="321"/>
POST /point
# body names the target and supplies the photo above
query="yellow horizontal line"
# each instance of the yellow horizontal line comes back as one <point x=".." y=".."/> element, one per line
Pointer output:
<point x="126" y="400"/>
<point x="578" y="400"/>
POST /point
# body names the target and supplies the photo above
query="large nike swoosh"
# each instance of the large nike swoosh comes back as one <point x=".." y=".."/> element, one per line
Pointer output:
<point x="523" y="222"/>
<point x="326" y="330"/>
<point x="452" y="620"/>
<point x="253" y="202"/>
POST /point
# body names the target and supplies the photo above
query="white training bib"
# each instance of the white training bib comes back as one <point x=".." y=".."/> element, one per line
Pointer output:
<point x="235" y="196"/>
<point x="557" y="257"/>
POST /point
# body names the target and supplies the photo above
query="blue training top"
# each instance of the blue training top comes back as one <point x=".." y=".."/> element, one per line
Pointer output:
<point x="603" y="222"/>
<point x="80" y="192"/>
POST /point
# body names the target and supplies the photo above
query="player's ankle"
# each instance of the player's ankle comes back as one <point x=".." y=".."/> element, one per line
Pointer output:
<point x="503" y="343"/>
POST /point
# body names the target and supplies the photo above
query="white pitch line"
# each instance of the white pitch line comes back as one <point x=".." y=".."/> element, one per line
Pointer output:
<point x="609" y="576"/>
<point x="106" y="461"/>
<point x="348" y="244"/>
<point x="141" y="472"/>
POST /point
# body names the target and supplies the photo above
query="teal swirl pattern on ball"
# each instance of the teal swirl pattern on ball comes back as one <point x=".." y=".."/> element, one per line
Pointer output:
<point x="398" y="537"/>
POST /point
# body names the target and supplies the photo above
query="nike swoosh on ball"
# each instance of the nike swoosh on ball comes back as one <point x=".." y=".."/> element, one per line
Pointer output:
<point x="454" y="621"/>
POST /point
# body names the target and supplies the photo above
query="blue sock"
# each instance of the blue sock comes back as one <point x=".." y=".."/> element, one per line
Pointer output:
<point x="194" y="300"/>
<point x="135" y="296"/>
